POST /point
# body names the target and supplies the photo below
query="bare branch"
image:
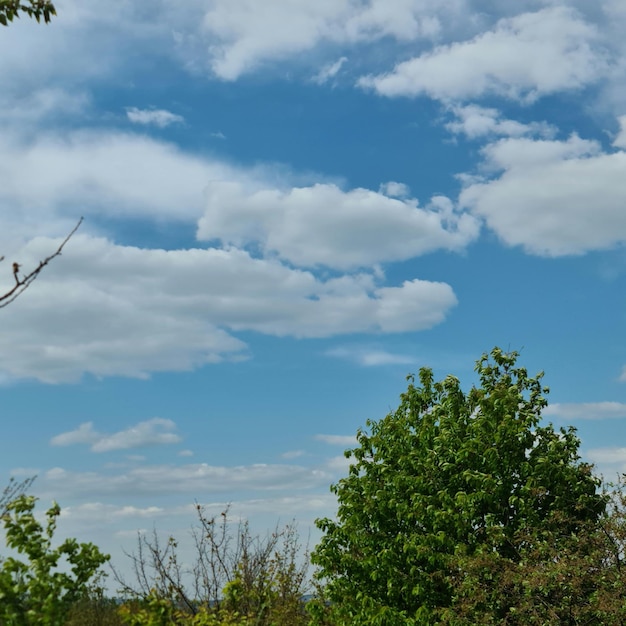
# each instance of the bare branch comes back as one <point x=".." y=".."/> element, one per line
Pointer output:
<point x="22" y="283"/>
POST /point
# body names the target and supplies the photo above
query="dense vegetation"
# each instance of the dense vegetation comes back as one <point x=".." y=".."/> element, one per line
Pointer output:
<point x="459" y="509"/>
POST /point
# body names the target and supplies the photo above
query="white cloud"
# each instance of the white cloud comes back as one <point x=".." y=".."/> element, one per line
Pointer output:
<point x="586" y="410"/>
<point x="323" y="225"/>
<point x="369" y="357"/>
<point x="244" y="34"/>
<point x="553" y="198"/>
<point x="186" y="453"/>
<point x="85" y="433"/>
<point x="475" y="121"/>
<point x="113" y="310"/>
<point x="623" y="375"/>
<point x="523" y="57"/>
<point x="127" y="175"/>
<point x="155" y="431"/>
<point x="97" y="511"/>
<point x="348" y="441"/>
<point x="393" y="189"/>
<point x="157" y="117"/>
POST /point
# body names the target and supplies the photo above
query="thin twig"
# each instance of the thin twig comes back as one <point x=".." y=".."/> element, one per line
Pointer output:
<point x="22" y="284"/>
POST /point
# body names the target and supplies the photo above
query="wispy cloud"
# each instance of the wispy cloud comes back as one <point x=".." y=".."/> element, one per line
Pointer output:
<point x="477" y="122"/>
<point x="152" y="432"/>
<point x="293" y="454"/>
<point x="155" y="117"/>
<point x="587" y="410"/>
<point x="329" y="71"/>
<point x="168" y="479"/>
<point x="368" y="357"/>
<point x="337" y="440"/>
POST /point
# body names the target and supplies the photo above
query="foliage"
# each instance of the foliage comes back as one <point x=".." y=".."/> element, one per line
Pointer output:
<point x="458" y="492"/>
<point x="39" y="590"/>
<point x="10" y="9"/>
<point x="158" y="611"/>
<point x="576" y="580"/>
<point x="95" y="609"/>
<point x="235" y="577"/>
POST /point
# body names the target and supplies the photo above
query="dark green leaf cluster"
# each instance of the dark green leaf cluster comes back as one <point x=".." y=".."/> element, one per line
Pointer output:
<point x="10" y="9"/>
<point x="448" y="477"/>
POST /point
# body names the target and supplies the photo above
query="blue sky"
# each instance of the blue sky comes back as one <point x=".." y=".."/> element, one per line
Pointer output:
<point x="289" y="206"/>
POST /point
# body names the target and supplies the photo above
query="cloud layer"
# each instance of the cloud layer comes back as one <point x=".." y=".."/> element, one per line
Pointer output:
<point x="106" y="309"/>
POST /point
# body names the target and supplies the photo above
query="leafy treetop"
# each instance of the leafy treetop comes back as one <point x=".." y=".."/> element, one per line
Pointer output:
<point x="445" y="477"/>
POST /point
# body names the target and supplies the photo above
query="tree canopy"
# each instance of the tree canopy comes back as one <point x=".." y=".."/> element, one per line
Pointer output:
<point x="455" y="503"/>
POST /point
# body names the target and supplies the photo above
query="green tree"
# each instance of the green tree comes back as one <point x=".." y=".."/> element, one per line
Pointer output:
<point x="443" y="486"/>
<point x="42" y="589"/>
<point x="10" y="9"/>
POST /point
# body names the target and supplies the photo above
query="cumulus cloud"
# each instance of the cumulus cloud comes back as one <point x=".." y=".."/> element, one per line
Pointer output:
<point x="324" y="225"/>
<point x="552" y="197"/>
<point x="156" y="117"/>
<point x="523" y="57"/>
<point x="370" y="357"/>
<point x="155" y="431"/>
<point x="586" y="410"/>
<point x="112" y="310"/>
<point x="477" y="122"/>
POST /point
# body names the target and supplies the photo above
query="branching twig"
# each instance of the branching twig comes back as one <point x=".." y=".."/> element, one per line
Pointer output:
<point x="21" y="284"/>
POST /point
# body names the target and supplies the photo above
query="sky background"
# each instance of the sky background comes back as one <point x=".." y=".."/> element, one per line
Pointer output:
<point x="289" y="206"/>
